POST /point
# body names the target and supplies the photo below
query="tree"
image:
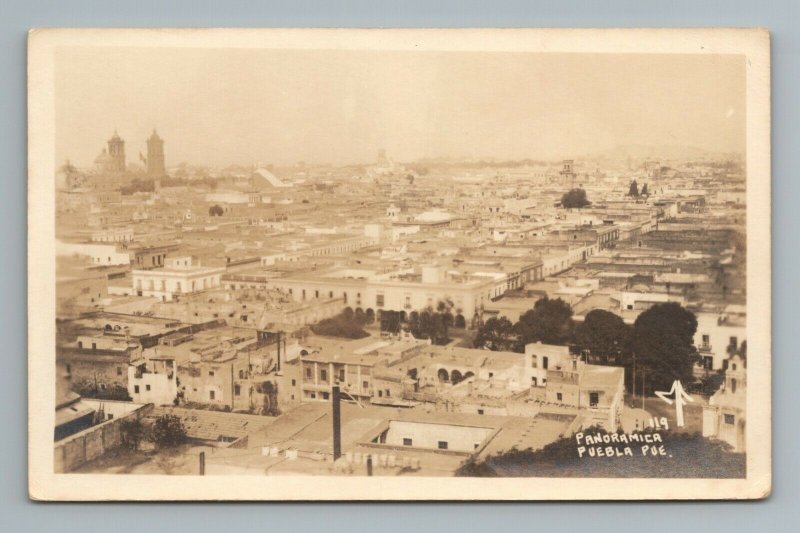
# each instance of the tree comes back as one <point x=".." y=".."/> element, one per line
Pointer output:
<point x="390" y="321"/>
<point x="633" y="190"/>
<point x="433" y="325"/>
<point x="604" y="335"/>
<point x="168" y="431"/>
<point x="215" y="211"/>
<point x="496" y="334"/>
<point x="663" y="343"/>
<point x="550" y="322"/>
<point x="345" y="324"/>
<point x="644" y="191"/>
<point x="131" y="433"/>
<point x="576" y="198"/>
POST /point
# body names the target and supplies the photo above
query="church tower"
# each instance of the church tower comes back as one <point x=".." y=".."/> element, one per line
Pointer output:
<point x="116" y="151"/>
<point x="155" y="156"/>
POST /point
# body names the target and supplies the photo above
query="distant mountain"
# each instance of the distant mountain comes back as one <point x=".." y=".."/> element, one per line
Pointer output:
<point x="641" y="152"/>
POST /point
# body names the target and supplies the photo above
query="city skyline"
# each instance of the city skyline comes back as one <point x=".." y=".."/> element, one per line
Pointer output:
<point x="342" y="107"/>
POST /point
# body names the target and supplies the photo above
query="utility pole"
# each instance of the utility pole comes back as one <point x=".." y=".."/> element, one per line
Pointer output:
<point x="633" y="382"/>
<point x="643" y="369"/>
<point x="202" y="463"/>
<point x="337" y="424"/>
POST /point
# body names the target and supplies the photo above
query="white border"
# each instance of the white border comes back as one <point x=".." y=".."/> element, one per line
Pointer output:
<point x="45" y="485"/>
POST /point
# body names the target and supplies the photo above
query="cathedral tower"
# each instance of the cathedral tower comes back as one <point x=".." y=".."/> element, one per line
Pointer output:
<point x="155" y="156"/>
<point x="116" y="151"/>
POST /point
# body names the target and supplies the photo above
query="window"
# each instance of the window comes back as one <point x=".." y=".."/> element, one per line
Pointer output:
<point x="147" y="387"/>
<point x="94" y="346"/>
<point x="294" y="382"/>
<point x="136" y="389"/>
<point x="325" y="395"/>
<point x="237" y="390"/>
<point x="365" y="385"/>
<point x="730" y="419"/>
<point x="308" y="372"/>
<point x="341" y="375"/>
<point x="313" y="395"/>
<point x="211" y="395"/>
<point x="323" y="375"/>
<point x="102" y="386"/>
<point x="380" y="394"/>
<point x="407" y="441"/>
<point x="69" y="369"/>
<point x="330" y="294"/>
<point x="442" y="445"/>
<point x="594" y="398"/>
<point x="480" y="411"/>
<point x="706" y="342"/>
<point x="559" y="396"/>
<point x="379" y="300"/>
<point x="210" y="373"/>
<point x="316" y="294"/>
<point x="733" y="386"/>
<point x="734" y="342"/>
<point x="388" y="393"/>
<point x="80" y="344"/>
<point x="119" y="370"/>
<point x="545" y="362"/>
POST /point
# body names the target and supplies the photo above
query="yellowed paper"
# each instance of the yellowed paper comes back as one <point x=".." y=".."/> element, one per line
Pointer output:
<point x="478" y="264"/>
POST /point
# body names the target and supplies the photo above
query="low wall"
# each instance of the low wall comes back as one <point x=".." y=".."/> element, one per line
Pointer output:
<point x="91" y="443"/>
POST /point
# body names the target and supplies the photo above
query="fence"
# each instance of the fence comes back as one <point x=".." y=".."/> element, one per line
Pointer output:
<point x="91" y="443"/>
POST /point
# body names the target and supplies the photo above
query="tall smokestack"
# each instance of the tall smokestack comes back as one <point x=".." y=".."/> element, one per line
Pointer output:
<point x="337" y="425"/>
<point x="278" y="366"/>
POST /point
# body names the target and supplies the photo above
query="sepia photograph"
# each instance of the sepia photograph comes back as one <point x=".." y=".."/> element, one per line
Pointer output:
<point x="399" y="264"/>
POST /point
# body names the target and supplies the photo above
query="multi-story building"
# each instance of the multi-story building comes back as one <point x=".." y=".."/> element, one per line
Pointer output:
<point x="724" y="416"/>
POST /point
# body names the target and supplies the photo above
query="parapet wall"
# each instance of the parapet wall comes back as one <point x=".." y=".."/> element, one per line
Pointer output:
<point x="91" y="443"/>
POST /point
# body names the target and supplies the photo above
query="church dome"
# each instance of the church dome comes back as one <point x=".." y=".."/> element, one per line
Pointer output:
<point x="103" y="158"/>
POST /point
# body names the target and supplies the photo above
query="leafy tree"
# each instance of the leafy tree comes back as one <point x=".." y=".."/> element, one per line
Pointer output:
<point x="575" y="198"/>
<point x="215" y="211"/>
<point x="345" y="324"/>
<point x="550" y="322"/>
<point x="168" y="431"/>
<point x="390" y="321"/>
<point x="270" y="392"/>
<point x="644" y="191"/>
<point x="663" y="343"/>
<point x="131" y="432"/>
<point x="633" y="190"/>
<point x="604" y="335"/>
<point x="496" y="334"/>
<point x="433" y="325"/>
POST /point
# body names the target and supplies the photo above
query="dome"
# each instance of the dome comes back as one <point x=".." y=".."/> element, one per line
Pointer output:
<point x="103" y="158"/>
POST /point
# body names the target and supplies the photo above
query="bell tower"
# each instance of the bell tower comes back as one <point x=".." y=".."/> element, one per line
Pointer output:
<point x="155" y="156"/>
<point x="116" y="151"/>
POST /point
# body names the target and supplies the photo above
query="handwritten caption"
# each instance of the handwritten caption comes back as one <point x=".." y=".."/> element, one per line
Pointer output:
<point x="649" y="443"/>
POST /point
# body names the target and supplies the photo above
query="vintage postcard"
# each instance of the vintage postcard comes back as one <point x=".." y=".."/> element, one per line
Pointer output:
<point x="476" y="264"/>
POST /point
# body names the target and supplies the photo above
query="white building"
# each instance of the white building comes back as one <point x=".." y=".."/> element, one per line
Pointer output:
<point x="153" y="380"/>
<point x="180" y="276"/>
<point x="724" y="416"/>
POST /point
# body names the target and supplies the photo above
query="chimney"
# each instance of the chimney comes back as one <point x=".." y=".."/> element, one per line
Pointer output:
<point x="337" y="425"/>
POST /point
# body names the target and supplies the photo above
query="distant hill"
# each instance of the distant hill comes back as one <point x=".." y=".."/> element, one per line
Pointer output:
<point x="642" y="152"/>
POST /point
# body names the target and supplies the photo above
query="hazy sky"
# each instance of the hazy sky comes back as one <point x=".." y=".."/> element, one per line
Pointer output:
<point x="222" y="106"/>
